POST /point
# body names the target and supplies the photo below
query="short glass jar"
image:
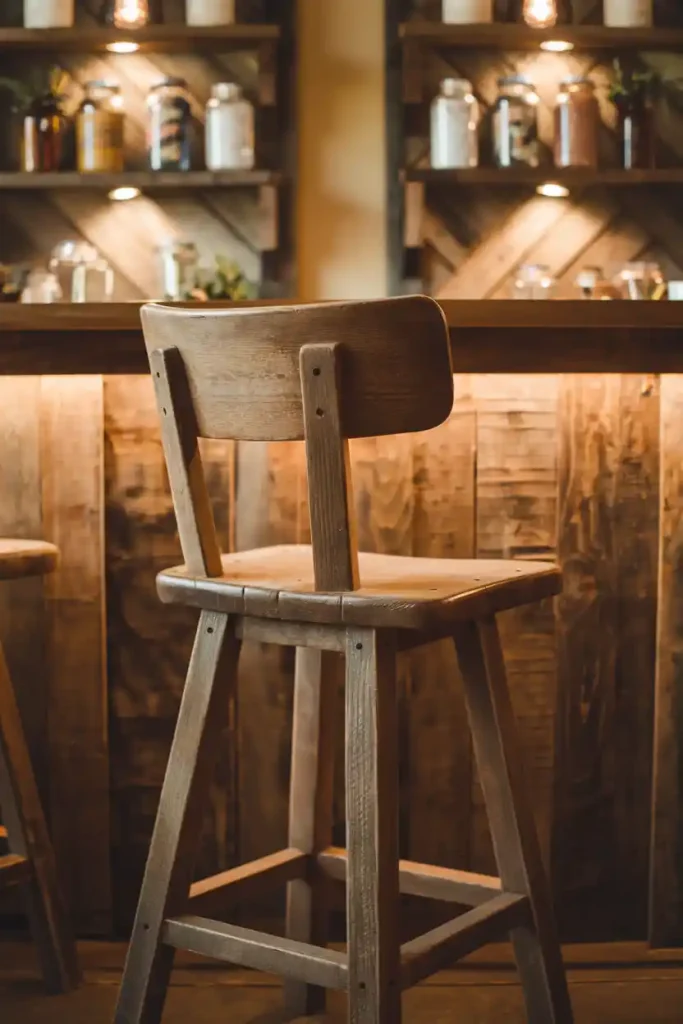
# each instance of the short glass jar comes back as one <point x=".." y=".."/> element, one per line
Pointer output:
<point x="229" y="137"/>
<point x="577" y="124"/>
<point x="454" y="123"/>
<point x="169" y="138"/>
<point x="533" y="281"/>
<point x="99" y="129"/>
<point x="178" y="264"/>
<point x="515" y="123"/>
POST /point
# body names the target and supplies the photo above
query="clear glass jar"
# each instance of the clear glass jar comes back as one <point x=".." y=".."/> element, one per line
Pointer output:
<point x="179" y="262"/>
<point x="83" y="275"/>
<point x="169" y="125"/>
<point x="99" y="129"/>
<point x="533" y="281"/>
<point x="515" y="123"/>
<point x="454" y="122"/>
<point x="467" y="12"/>
<point x="577" y="124"/>
<point x="229" y="135"/>
<point x="641" y="281"/>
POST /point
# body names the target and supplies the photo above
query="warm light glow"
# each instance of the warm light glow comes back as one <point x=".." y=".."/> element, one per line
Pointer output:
<point x="123" y="47"/>
<point x="131" y="13"/>
<point x="557" y="45"/>
<point x="540" y="13"/>
<point x="552" y="190"/>
<point x="124" y="192"/>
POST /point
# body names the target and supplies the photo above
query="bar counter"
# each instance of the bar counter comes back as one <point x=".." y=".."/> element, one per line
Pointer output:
<point x="564" y="443"/>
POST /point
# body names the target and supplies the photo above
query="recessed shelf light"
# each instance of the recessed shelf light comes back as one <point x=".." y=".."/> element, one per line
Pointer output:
<point x="124" y="192"/>
<point x="552" y="190"/>
<point x="123" y="46"/>
<point x="557" y="45"/>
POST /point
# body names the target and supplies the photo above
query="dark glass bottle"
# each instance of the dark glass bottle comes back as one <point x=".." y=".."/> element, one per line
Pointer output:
<point x="45" y="135"/>
<point x="636" y="132"/>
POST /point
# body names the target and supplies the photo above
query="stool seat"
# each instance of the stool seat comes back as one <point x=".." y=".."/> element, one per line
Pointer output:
<point x="397" y="591"/>
<point x="19" y="558"/>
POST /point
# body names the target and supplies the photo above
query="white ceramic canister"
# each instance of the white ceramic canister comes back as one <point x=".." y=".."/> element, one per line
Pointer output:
<point x="628" y="13"/>
<point x="229" y="129"/>
<point x="48" y="13"/>
<point x="467" y="12"/>
<point x="210" y="12"/>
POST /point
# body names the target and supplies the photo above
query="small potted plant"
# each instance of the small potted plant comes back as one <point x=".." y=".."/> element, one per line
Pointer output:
<point x="38" y="102"/>
<point x="226" y="281"/>
<point x="632" y="93"/>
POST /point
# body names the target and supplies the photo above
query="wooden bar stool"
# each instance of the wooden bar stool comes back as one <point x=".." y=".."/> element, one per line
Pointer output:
<point x="326" y="373"/>
<point x="30" y="861"/>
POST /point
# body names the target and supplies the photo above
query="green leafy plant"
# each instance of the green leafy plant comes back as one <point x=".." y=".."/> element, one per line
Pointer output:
<point x="633" y="86"/>
<point x="40" y="83"/>
<point x="225" y="281"/>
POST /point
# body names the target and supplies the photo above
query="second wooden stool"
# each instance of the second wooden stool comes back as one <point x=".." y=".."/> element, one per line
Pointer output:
<point x="30" y="861"/>
<point x="324" y="374"/>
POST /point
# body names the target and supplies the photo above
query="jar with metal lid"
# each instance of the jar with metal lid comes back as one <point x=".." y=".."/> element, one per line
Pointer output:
<point x="229" y="129"/>
<point x="515" y="123"/>
<point x="169" y="138"/>
<point x="454" y="122"/>
<point x="99" y="129"/>
<point x="577" y="124"/>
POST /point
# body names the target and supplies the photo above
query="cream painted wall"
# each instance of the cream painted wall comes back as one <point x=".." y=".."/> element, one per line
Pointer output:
<point x="341" y="216"/>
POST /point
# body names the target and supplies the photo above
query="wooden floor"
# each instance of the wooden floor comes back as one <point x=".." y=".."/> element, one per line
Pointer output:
<point x="615" y="984"/>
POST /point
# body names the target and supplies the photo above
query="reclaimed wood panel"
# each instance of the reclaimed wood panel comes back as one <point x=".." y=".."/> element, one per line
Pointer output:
<point x="71" y="438"/>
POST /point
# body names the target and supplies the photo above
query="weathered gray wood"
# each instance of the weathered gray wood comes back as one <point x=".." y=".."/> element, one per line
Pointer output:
<point x="211" y="681"/>
<point x="372" y="892"/>
<point x="518" y="855"/>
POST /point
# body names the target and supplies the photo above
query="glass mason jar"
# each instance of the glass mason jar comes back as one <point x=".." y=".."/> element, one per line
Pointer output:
<point x="467" y="12"/>
<point x="577" y="124"/>
<point x="229" y="137"/>
<point x="515" y="123"/>
<point x="179" y="261"/>
<point x="169" y="138"/>
<point x="99" y="129"/>
<point x="533" y="281"/>
<point x="45" y="135"/>
<point x="210" y="12"/>
<point x="454" y="121"/>
<point x="628" y="13"/>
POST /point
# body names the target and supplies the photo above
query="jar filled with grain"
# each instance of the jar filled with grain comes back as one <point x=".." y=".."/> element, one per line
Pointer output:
<point x="577" y="124"/>
<point x="99" y="129"/>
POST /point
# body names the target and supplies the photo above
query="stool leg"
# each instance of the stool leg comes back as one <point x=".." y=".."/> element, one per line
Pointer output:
<point x="372" y="892"/>
<point x="537" y="949"/>
<point x="311" y="808"/>
<point x="204" y="710"/>
<point x="28" y="837"/>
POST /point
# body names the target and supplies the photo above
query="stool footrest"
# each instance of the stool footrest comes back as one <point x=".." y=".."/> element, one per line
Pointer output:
<point x="14" y="870"/>
<point x="415" y="879"/>
<point x="324" y="967"/>
<point x="215" y="894"/>
<point x="440" y="947"/>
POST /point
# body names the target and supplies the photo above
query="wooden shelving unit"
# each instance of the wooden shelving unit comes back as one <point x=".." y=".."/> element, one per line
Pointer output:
<point x="155" y="38"/>
<point x="532" y="176"/>
<point x="503" y="36"/>
<point x="150" y="181"/>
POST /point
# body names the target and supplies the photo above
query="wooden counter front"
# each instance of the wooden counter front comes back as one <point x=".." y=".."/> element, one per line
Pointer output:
<point x="544" y="456"/>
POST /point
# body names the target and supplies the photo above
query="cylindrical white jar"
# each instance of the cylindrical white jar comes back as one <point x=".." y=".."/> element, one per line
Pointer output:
<point x="628" y="13"/>
<point x="467" y="12"/>
<point x="229" y="129"/>
<point x="454" y="122"/>
<point x="48" y="13"/>
<point x="210" y="12"/>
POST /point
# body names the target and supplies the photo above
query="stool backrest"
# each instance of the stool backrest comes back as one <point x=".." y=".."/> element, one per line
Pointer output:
<point x="321" y="373"/>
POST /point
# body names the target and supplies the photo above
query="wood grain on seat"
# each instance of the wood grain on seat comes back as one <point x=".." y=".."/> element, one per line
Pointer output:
<point x="26" y="558"/>
<point x="395" y="591"/>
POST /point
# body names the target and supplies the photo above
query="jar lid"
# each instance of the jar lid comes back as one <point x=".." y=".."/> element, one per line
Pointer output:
<point x="171" y="81"/>
<point x="226" y="91"/>
<point x="516" y="80"/>
<point x="578" y="80"/>
<point x="102" y="83"/>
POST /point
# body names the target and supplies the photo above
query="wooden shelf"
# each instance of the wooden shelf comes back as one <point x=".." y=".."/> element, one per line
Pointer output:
<point x="532" y="176"/>
<point x="147" y="180"/>
<point x="160" y="38"/>
<point x="520" y="37"/>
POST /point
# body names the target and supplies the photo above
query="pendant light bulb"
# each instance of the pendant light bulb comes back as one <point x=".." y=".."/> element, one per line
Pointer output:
<point x="540" y="13"/>
<point x="131" y="13"/>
